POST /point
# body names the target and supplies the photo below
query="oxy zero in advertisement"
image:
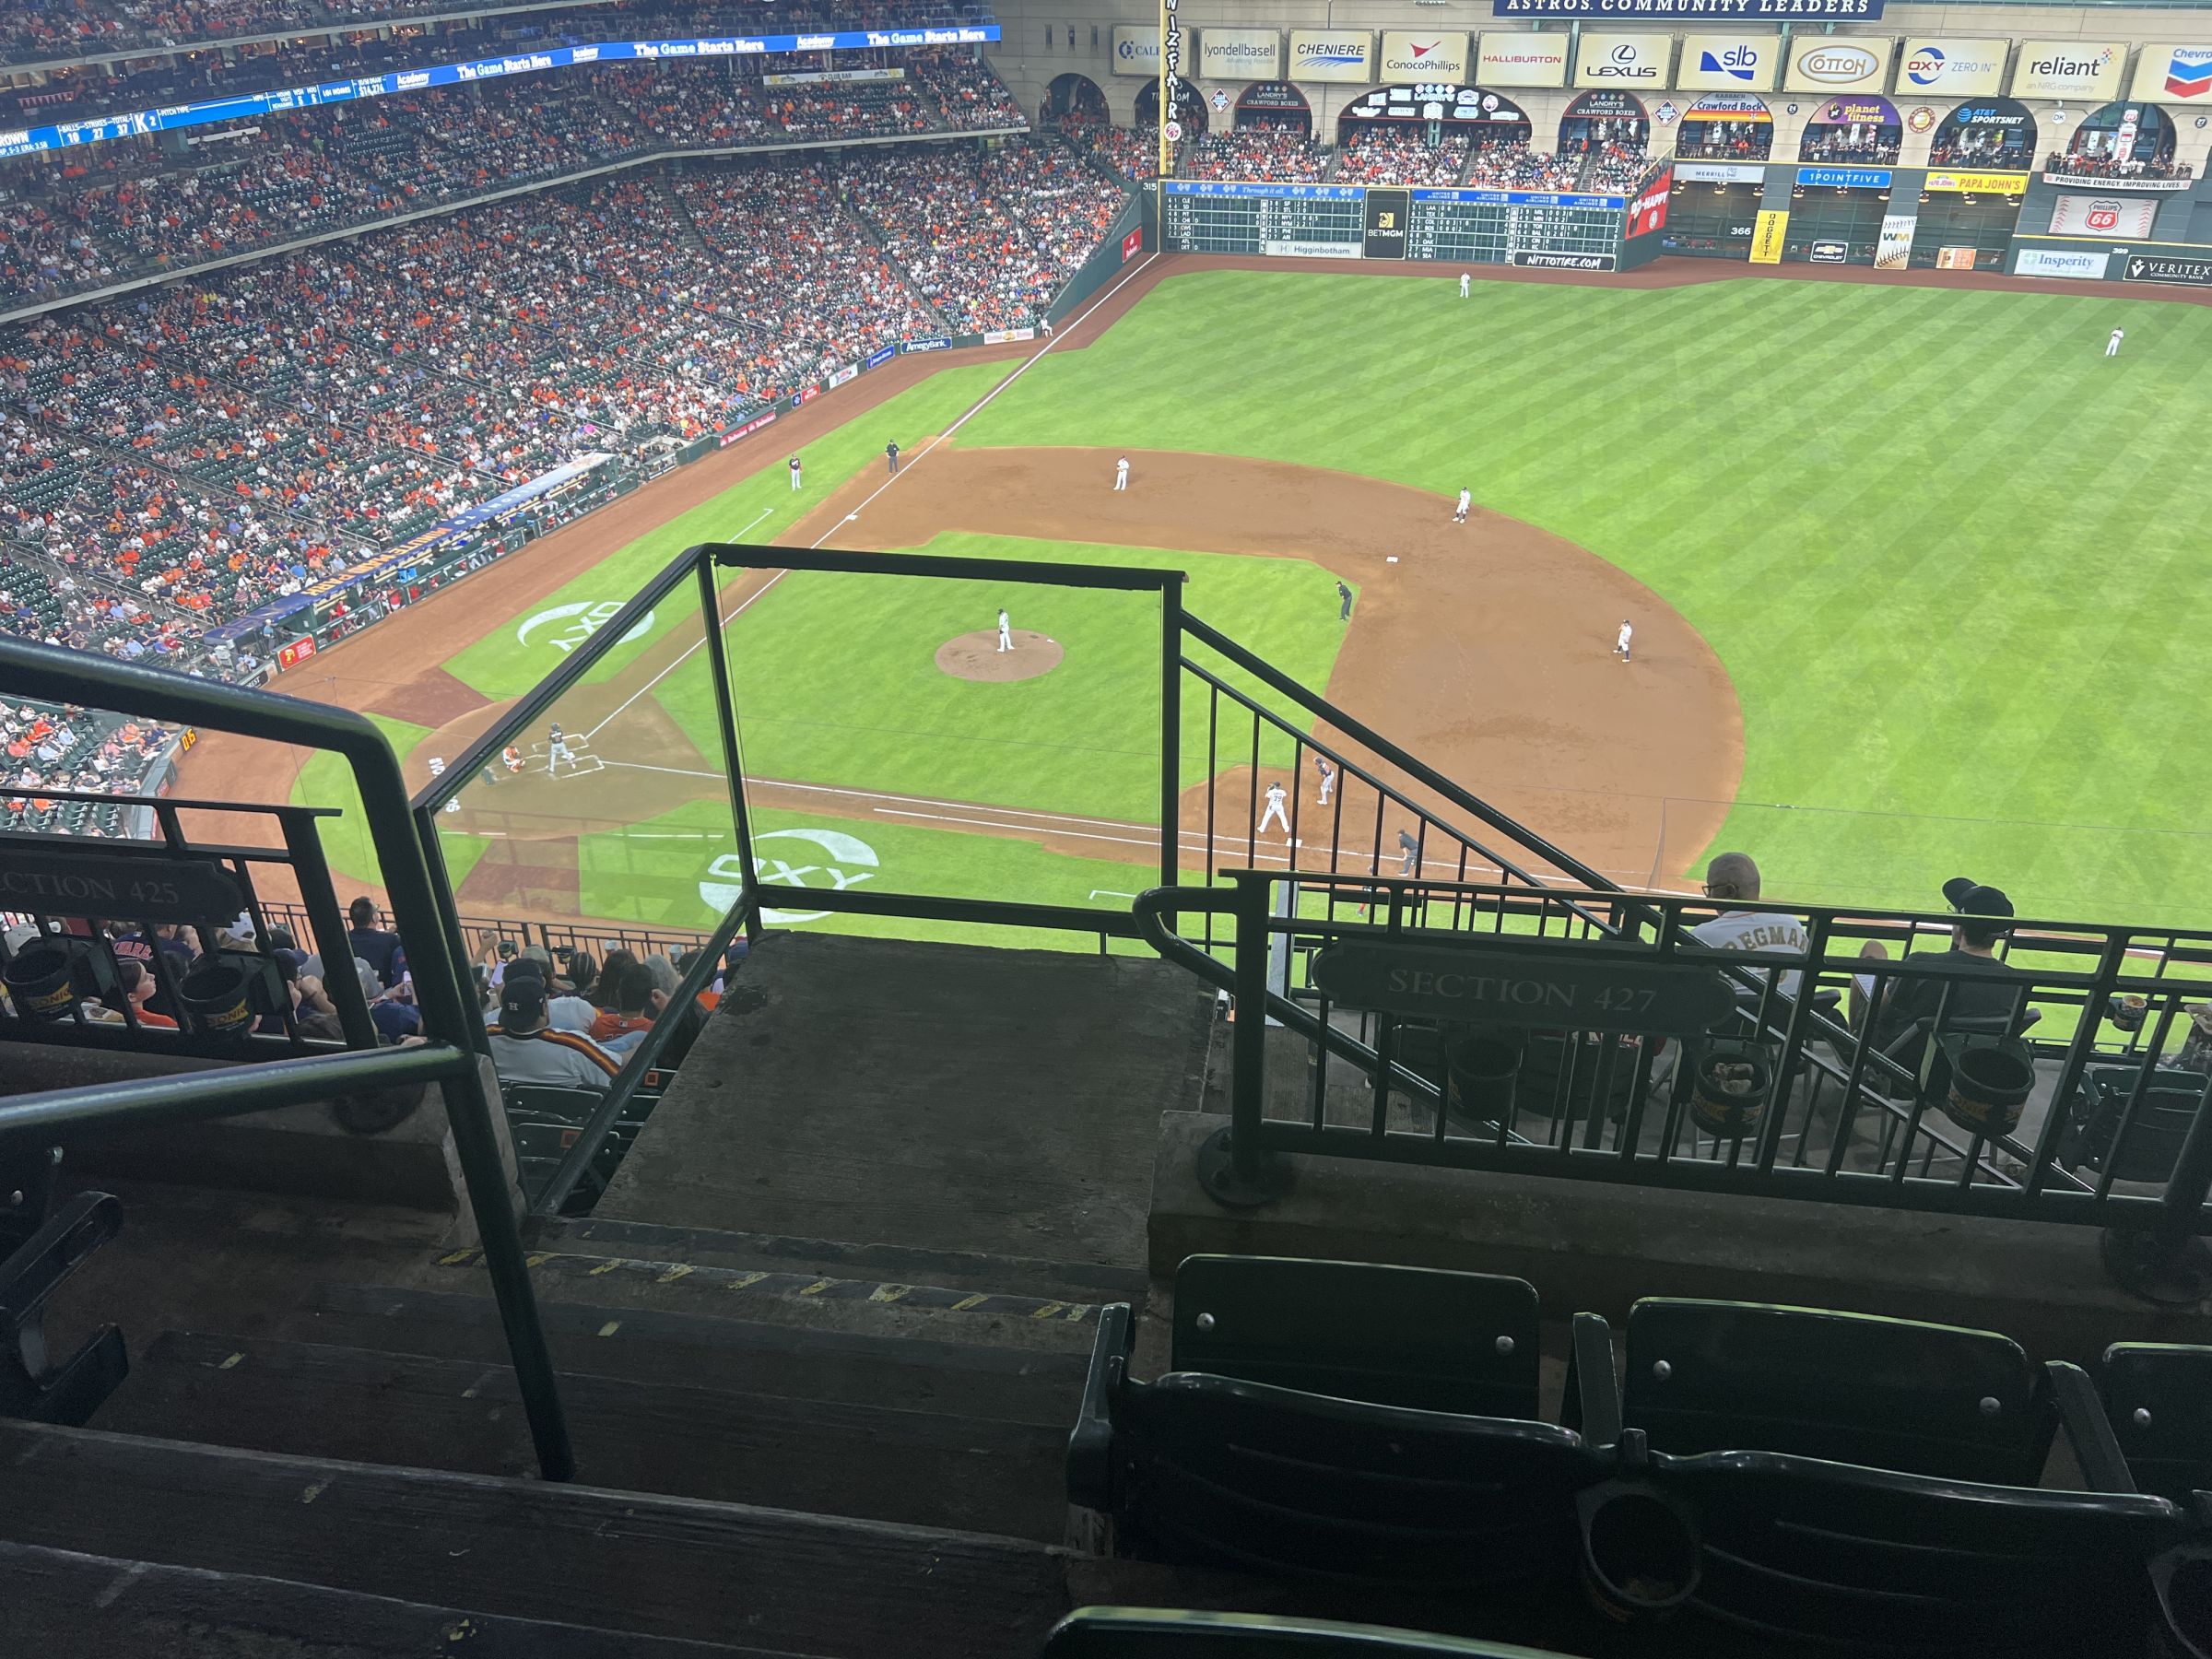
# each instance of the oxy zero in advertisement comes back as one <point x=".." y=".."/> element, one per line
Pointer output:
<point x="1767" y="234"/>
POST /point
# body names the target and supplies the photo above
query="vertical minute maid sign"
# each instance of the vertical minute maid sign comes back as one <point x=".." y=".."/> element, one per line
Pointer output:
<point x="1170" y="85"/>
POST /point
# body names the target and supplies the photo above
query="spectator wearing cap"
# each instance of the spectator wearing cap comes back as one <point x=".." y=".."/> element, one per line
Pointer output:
<point x="526" y="1049"/>
<point x="564" y="1012"/>
<point x="1733" y="878"/>
<point x="1971" y="984"/>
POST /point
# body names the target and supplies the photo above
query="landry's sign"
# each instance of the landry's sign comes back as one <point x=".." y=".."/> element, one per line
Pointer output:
<point x="1528" y="985"/>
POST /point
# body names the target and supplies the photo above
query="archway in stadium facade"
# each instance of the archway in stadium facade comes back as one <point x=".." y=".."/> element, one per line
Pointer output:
<point x="2126" y="135"/>
<point x="1441" y="110"/>
<point x="1860" y="130"/>
<point x="1190" y="107"/>
<point x="1274" y="104"/>
<point x="1077" y="97"/>
<point x="1596" y="120"/>
<point x="1995" y="134"/>
<point x="1726" y="126"/>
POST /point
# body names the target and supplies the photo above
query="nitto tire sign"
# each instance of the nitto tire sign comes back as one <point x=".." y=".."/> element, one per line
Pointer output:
<point x="2149" y="268"/>
<point x="1558" y="261"/>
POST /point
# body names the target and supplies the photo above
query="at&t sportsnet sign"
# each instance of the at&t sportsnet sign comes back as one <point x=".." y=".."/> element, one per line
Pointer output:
<point x="1726" y="11"/>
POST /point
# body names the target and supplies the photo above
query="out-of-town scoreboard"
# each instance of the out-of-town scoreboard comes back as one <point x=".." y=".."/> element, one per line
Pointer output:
<point x="1544" y="228"/>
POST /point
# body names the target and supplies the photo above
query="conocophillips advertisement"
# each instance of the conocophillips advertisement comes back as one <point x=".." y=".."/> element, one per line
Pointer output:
<point x="1410" y="55"/>
<point x="1137" y="49"/>
<point x="1768" y="235"/>
<point x="2170" y="74"/>
<point x="1521" y="60"/>
<point x="2085" y="69"/>
<point x="1240" y="54"/>
<point x="2103" y="216"/>
<point x="1724" y="62"/>
<point x="1332" y="54"/>
<point x="1623" y="59"/>
<point x="1941" y="66"/>
<point x="1838" y="63"/>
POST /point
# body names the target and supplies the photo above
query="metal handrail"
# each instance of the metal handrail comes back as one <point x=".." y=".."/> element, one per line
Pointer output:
<point x="448" y="1015"/>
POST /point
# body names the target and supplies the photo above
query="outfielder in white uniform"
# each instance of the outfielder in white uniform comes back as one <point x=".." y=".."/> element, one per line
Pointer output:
<point x="1466" y="499"/>
<point x="1466" y="285"/>
<point x="1005" y="633"/>
<point x="2111" y="347"/>
<point x="557" y="748"/>
<point x="1120" y="473"/>
<point x="1274" y="813"/>
<point x="1620" y="646"/>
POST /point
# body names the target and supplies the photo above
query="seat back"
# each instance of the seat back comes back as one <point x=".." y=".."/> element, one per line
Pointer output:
<point x="2159" y="1396"/>
<point x="1169" y="1633"/>
<point x="1415" y="1336"/>
<point x="1872" y="1562"/>
<point x="2153" y="1141"/>
<point x="1891" y="1393"/>
<point x="1270" y="1480"/>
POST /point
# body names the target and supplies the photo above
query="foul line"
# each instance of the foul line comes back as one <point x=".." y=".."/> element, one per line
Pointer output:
<point x="981" y="403"/>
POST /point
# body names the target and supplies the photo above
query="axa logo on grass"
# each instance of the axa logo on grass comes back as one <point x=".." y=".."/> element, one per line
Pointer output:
<point x="799" y="858"/>
<point x="1740" y="61"/>
<point x="584" y="619"/>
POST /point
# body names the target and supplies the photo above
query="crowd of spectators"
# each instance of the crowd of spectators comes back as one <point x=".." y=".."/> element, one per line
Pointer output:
<point x="1613" y="169"/>
<point x="1397" y="153"/>
<point x="2098" y="165"/>
<point x="1869" y="146"/>
<point x="1725" y="140"/>
<point x="1131" y="153"/>
<point x="1514" y="166"/>
<point x="1276" y="152"/>
<point x="1972" y="149"/>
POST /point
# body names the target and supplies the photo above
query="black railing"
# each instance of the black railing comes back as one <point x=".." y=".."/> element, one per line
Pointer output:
<point x="421" y="905"/>
<point x="2064" y="1078"/>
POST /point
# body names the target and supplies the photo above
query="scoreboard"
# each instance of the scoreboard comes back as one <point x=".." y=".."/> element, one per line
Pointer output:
<point x="1201" y="216"/>
<point x="1545" y="229"/>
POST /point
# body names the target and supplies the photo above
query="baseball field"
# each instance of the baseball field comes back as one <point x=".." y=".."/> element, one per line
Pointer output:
<point x="1910" y="568"/>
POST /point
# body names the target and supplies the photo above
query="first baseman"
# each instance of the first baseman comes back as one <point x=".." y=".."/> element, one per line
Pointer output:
<point x="1328" y="777"/>
<point x="1274" y="813"/>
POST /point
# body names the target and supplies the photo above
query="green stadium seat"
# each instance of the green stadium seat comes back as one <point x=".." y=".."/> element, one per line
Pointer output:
<point x="2154" y="1139"/>
<point x="1892" y="1393"/>
<point x="1414" y="1336"/>
<point x="1205" y="1468"/>
<point x="2158" y="1397"/>
<point x="1870" y="1485"/>
<point x="1168" y="1633"/>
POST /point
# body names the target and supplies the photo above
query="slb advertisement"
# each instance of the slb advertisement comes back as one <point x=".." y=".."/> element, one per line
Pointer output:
<point x="1729" y="63"/>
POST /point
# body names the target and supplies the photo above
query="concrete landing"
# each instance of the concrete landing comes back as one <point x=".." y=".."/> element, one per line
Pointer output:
<point x="936" y="1097"/>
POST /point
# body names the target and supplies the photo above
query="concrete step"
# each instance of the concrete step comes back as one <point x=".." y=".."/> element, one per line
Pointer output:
<point x="64" y="1604"/>
<point x="922" y="1468"/>
<point x="666" y="1567"/>
<point x="722" y="1351"/>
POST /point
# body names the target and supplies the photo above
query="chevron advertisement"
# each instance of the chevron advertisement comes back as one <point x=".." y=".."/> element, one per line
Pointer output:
<point x="1522" y="60"/>
<point x="1627" y="61"/>
<point x="1332" y="54"/>
<point x="2091" y="70"/>
<point x="1945" y="66"/>
<point x="1729" y="63"/>
<point x="2174" y="75"/>
<point x="1411" y="55"/>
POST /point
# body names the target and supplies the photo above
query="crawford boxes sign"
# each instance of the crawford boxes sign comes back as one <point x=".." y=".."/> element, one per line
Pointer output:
<point x="1500" y="984"/>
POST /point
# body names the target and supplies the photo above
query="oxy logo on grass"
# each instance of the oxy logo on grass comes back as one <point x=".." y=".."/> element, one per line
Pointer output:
<point x="584" y="619"/>
<point x="825" y="859"/>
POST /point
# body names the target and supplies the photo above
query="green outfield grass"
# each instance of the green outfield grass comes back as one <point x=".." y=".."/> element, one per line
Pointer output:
<point x="1943" y="546"/>
<point x="327" y="780"/>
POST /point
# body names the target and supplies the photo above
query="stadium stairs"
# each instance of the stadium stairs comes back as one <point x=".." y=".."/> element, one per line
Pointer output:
<point x="791" y="1444"/>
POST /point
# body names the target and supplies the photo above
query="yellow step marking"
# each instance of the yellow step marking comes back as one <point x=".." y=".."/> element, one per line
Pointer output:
<point x="889" y="1293"/>
<point x="745" y="1281"/>
<point x="966" y="1303"/>
<point x="817" y="1288"/>
<point x="1047" y="1311"/>
<point x="610" y="1327"/>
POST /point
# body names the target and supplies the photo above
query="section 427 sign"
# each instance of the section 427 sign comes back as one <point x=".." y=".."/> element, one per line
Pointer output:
<point x="2154" y="267"/>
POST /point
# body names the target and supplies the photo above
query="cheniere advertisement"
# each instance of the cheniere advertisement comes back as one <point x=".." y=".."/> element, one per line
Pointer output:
<point x="1332" y="54"/>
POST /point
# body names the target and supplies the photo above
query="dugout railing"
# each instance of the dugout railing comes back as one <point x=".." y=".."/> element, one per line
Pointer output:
<point x="81" y="884"/>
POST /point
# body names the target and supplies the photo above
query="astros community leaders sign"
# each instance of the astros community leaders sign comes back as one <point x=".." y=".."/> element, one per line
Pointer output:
<point x="1856" y="11"/>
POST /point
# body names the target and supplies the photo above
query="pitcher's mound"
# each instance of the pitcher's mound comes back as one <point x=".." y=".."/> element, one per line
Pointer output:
<point x="976" y="656"/>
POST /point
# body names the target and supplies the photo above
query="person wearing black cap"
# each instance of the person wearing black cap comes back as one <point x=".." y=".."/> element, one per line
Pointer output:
<point x="1984" y="917"/>
<point x="524" y="1049"/>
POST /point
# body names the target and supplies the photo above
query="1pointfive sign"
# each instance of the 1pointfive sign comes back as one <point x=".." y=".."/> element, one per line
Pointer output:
<point x="798" y="858"/>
